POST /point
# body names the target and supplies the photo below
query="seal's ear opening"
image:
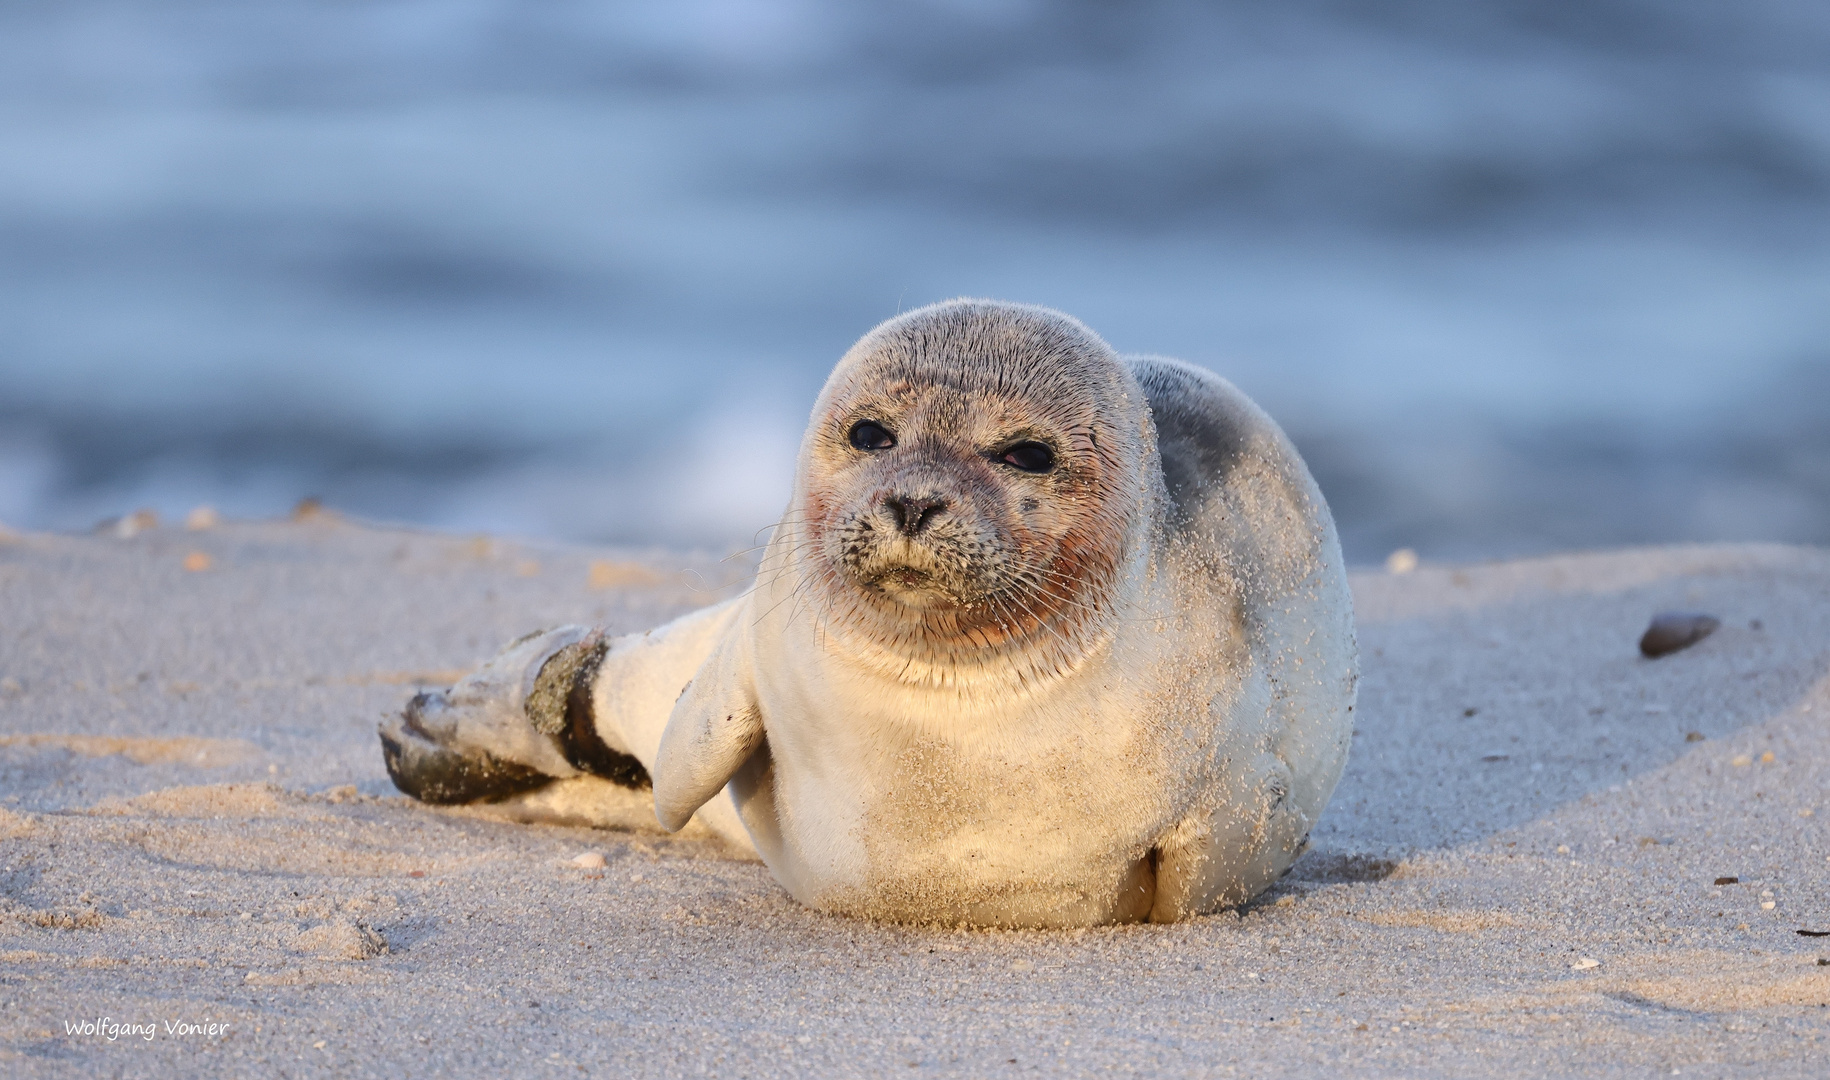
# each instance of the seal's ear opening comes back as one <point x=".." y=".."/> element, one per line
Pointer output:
<point x="712" y="731"/>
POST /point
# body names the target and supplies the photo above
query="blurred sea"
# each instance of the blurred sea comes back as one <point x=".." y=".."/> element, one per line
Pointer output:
<point x="1517" y="276"/>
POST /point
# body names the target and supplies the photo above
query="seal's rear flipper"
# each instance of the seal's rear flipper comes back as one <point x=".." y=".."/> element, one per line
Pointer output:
<point x="521" y="721"/>
<point x="563" y="725"/>
<point x="433" y="773"/>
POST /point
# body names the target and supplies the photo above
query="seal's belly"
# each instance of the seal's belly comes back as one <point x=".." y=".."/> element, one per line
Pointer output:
<point x="931" y="833"/>
<point x="988" y="882"/>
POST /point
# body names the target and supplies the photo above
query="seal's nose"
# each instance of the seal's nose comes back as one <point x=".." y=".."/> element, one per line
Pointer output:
<point x="913" y="513"/>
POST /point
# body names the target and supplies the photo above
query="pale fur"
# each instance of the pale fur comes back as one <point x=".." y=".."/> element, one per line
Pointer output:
<point x="1157" y="747"/>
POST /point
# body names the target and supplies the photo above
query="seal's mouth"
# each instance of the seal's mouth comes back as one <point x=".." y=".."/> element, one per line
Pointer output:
<point x="912" y="586"/>
<point x="906" y="578"/>
<point x="963" y="592"/>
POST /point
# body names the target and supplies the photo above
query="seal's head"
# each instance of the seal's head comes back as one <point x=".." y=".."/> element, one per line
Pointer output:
<point x="970" y="488"/>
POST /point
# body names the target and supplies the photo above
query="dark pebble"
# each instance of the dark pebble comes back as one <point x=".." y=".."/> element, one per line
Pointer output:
<point x="1674" y="630"/>
<point x="1728" y="881"/>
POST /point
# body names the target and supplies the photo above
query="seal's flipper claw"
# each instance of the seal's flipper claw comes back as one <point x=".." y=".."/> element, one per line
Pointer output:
<point x="416" y="717"/>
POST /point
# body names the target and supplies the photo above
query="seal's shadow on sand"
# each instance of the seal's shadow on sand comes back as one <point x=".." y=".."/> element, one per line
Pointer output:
<point x="1543" y="698"/>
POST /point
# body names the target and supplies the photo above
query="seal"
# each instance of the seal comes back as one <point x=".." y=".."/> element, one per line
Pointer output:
<point x="1047" y="637"/>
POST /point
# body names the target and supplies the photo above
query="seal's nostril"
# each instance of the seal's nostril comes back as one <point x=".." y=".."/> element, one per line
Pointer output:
<point x="913" y="514"/>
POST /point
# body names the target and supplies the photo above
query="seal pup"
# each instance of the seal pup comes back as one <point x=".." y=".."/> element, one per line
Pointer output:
<point x="1046" y="637"/>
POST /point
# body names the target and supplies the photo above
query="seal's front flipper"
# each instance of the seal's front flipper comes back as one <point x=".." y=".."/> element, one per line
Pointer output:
<point x="521" y="720"/>
<point x="714" y="729"/>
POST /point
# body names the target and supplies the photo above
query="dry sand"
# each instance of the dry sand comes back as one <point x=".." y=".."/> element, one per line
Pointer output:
<point x="1516" y="877"/>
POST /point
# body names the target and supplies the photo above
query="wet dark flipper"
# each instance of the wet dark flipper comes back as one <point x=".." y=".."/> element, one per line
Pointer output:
<point x="561" y="706"/>
<point x="521" y="721"/>
<point x="579" y="739"/>
<point x="438" y="774"/>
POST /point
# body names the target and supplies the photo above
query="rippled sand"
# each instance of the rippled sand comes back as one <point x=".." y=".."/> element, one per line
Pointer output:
<point x="1516" y="877"/>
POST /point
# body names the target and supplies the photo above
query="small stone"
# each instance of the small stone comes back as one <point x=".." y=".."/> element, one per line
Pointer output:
<point x="590" y="860"/>
<point x="1740" y="761"/>
<point x="1563" y="849"/>
<point x="1768" y="905"/>
<point x="1695" y="736"/>
<point x="1728" y="881"/>
<point x="1766" y="758"/>
<point x="202" y="519"/>
<point x="1585" y="964"/>
<point x="1285" y="901"/>
<point x="198" y="561"/>
<point x="310" y="508"/>
<point x="1402" y="561"/>
<point x="1673" y="630"/>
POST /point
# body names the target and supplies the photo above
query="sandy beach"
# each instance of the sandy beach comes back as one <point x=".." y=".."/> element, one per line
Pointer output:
<point x="204" y="870"/>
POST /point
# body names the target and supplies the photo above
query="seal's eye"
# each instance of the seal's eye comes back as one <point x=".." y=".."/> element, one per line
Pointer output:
<point x="1030" y="457"/>
<point x="870" y="435"/>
